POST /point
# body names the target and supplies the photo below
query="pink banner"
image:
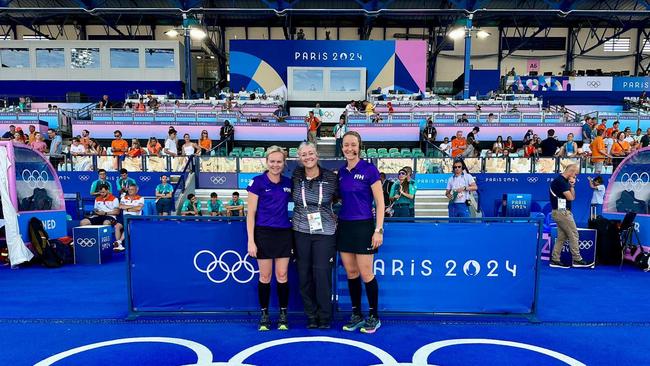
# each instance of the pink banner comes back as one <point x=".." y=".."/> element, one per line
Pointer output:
<point x="532" y="65"/>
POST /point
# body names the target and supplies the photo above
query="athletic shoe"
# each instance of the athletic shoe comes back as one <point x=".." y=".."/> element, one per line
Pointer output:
<point x="118" y="247"/>
<point x="371" y="325"/>
<point x="312" y="323"/>
<point x="581" y="264"/>
<point x="283" y="322"/>
<point x="265" y="323"/>
<point x="558" y="264"/>
<point x="356" y="322"/>
<point x="324" y="325"/>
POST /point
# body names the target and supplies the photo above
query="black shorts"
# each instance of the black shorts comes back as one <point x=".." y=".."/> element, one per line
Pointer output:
<point x="355" y="236"/>
<point x="99" y="220"/>
<point x="273" y="242"/>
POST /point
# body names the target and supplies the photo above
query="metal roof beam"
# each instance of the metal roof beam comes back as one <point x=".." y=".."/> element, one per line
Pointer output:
<point x="374" y="5"/>
<point x="280" y="4"/>
<point x="29" y="26"/>
<point x="602" y="41"/>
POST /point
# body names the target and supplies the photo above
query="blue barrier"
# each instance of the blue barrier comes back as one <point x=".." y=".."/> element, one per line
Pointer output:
<point x="202" y="266"/>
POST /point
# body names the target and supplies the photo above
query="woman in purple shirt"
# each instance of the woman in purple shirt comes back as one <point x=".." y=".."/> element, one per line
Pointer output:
<point x="270" y="237"/>
<point x="358" y="236"/>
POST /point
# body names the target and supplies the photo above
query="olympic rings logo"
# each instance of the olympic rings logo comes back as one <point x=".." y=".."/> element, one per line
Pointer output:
<point x="582" y="245"/>
<point x="34" y="178"/>
<point x="225" y="267"/>
<point x="218" y="179"/>
<point x="328" y="114"/>
<point x="145" y="178"/>
<point x="533" y="179"/>
<point x="86" y="242"/>
<point x="635" y="181"/>
<point x="84" y="178"/>
<point x="593" y="84"/>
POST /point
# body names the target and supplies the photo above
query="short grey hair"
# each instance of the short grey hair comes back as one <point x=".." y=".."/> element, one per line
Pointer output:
<point x="571" y="166"/>
<point x="305" y="144"/>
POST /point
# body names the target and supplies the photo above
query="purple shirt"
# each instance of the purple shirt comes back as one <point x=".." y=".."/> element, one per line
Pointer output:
<point x="273" y="201"/>
<point x="355" y="191"/>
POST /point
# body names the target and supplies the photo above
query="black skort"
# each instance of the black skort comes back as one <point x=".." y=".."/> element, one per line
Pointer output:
<point x="273" y="242"/>
<point x="355" y="236"/>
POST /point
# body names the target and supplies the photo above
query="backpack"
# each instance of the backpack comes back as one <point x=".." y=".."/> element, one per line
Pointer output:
<point x="46" y="251"/>
<point x="39" y="201"/>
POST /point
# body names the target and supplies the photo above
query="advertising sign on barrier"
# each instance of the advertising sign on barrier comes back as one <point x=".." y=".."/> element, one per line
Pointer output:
<point x="218" y="180"/>
<point x="631" y="83"/>
<point x="591" y="83"/>
<point x="518" y="205"/>
<point x="72" y="182"/>
<point x="586" y="242"/>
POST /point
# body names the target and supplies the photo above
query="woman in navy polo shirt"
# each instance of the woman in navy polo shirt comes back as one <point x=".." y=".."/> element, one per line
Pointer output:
<point x="270" y="237"/>
<point x="358" y="236"/>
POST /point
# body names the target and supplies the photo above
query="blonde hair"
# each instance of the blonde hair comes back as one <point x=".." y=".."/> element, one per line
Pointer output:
<point x="274" y="149"/>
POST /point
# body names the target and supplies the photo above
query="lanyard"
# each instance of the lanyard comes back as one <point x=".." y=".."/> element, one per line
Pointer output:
<point x="320" y="195"/>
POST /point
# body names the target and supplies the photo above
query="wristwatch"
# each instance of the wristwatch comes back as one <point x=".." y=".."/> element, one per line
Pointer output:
<point x="380" y="230"/>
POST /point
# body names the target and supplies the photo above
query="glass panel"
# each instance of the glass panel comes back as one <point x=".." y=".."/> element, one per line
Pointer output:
<point x="132" y="164"/>
<point x="32" y="172"/>
<point x="566" y="161"/>
<point x="108" y="163"/>
<point x="50" y="58"/>
<point x="392" y="166"/>
<point x="520" y="165"/>
<point x="473" y="165"/>
<point x="82" y="163"/>
<point x="308" y="80"/>
<point x="15" y="57"/>
<point x="434" y="166"/>
<point x="84" y="58"/>
<point x="345" y="80"/>
<point x="178" y="163"/>
<point x="125" y="58"/>
<point x="495" y="165"/>
<point x="218" y="165"/>
<point x="159" y="58"/>
<point x="545" y="165"/>
<point x="156" y="164"/>
<point x="252" y="165"/>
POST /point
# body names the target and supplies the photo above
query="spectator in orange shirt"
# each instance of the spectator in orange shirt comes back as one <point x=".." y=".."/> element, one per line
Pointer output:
<point x="620" y="149"/>
<point x="118" y="147"/>
<point x="459" y="144"/>
<point x="603" y="125"/>
<point x="613" y="131"/>
<point x="205" y="143"/>
<point x="598" y="152"/>
<point x="313" y="123"/>
<point x="141" y="107"/>
<point x="136" y="150"/>
<point x="85" y="138"/>
<point x="153" y="146"/>
<point x="32" y="133"/>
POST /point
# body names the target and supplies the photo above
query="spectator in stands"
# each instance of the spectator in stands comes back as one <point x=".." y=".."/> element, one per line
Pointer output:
<point x="56" y="147"/>
<point x="171" y="145"/>
<point x="445" y="146"/>
<point x="105" y="103"/>
<point x="351" y="108"/>
<point x="586" y="131"/>
<point x="391" y="110"/>
<point x="643" y="98"/>
<point x="339" y="131"/>
<point x="85" y="138"/>
<point x="514" y="109"/>
<point x="531" y="150"/>
<point x="491" y="118"/>
<point x="227" y="133"/>
<point x="628" y="136"/>
<point x="177" y="106"/>
<point x="369" y="108"/>
<point x="620" y="150"/>
<point x="613" y="131"/>
<point x="191" y="206"/>
<point x="645" y="140"/>
<point x="300" y="36"/>
<point x="190" y="148"/>
<point x="566" y="117"/>
<point x="459" y="186"/>
<point x="458" y="145"/>
<point x="462" y="119"/>
<point x="135" y="150"/>
<point x="509" y="146"/>
<point x="227" y="106"/>
<point x="280" y="114"/>
<point x="402" y="193"/>
<point x="474" y="133"/>
<point x="119" y="146"/>
<point x="318" y="112"/>
<point x="10" y="134"/>
<point x="77" y="148"/>
<point x="235" y="207"/>
<point x="94" y="148"/>
<point x="562" y="194"/>
<point x="32" y="134"/>
<point x="152" y="103"/>
<point x="637" y="137"/>
<point x="472" y="150"/>
<point x="105" y="212"/>
<point x="124" y="181"/>
<point x="164" y="192"/>
<point x="386" y="186"/>
<point x="602" y="126"/>
<point x="569" y="149"/>
<point x="39" y="143"/>
<point x="528" y="136"/>
<point x="428" y="136"/>
<point x="215" y="206"/>
<point x="376" y="118"/>
<point x="20" y="136"/>
<point x="132" y="203"/>
<point x="153" y="147"/>
<point x="497" y="147"/>
<point x="598" y="151"/>
<point x="205" y="144"/>
<point x="313" y="123"/>
<point x="141" y="107"/>
<point x="128" y="107"/>
<point x="550" y="145"/>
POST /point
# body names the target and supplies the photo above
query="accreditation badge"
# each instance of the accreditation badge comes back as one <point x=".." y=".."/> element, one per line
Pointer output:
<point x="315" y="223"/>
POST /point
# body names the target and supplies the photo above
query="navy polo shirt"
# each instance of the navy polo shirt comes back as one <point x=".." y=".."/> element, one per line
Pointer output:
<point x="273" y="201"/>
<point x="355" y="191"/>
<point x="559" y="185"/>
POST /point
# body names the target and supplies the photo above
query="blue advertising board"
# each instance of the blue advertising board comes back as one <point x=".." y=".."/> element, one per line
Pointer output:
<point x="631" y="83"/>
<point x="587" y="242"/>
<point x="418" y="271"/>
<point x="518" y="205"/>
<point x="54" y="223"/>
<point x="73" y="182"/>
<point x="217" y="180"/>
<point x="432" y="181"/>
<point x="92" y="244"/>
